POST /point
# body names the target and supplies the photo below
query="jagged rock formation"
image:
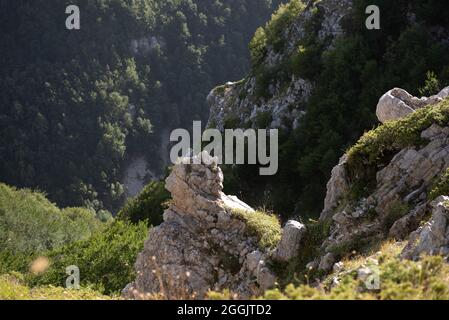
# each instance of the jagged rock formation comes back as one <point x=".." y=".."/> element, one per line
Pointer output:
<point x="239" y="101"/>
<point x="402" y="184"/>
<point x="395" y="208"/>
<point x="201" y="245"/>
<point x="398" y="103"/>
<point x="433" y="237"/>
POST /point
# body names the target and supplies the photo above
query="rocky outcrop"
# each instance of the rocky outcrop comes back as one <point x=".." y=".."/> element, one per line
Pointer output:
<point x="292" y="235"/>
<point x="201" y="245"/>
<point x="337" y="186"/>
<point x="433" y="237"/>
<point x="395" y="208"/>
<point x="398" y="103"/>
<point x="240" y="104"/>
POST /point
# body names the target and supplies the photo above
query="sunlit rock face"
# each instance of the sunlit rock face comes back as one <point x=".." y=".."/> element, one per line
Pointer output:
<point x="200" y="246"/>
<point x="398" y="103"/>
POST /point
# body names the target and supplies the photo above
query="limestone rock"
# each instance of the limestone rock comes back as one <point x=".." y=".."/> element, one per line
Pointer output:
<point x="401" y="228"/>
<point x="433" y="237"/>
<point x="200" y="246"/>
<point x="288" y="247"/>
<point x="327" y="262"/>
<point x="285" y="104"/>
<point x="337" y="186"/>
<point x="397" y="205"/>
<point x="398" y="103"/>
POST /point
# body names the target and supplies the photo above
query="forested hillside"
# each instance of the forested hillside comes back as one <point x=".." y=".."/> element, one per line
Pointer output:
<point x="77" y="106"/>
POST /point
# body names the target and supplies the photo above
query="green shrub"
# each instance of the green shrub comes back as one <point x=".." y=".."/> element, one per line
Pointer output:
<point x="30" y="223"/>
<point x="280" y="21"/>
<point x="395" y="211"/>
<point x="11" y="261"/>
<point x="106" y="261"/>
<point x="376" y="148"/>
<point x="264" y="119"/>
<point x="257" y="46"/>
<point x="232" y="122"/>
<point x="148" y="206"/>
<point x="265" y="227"/>
<point x="431" y="85"/>
<point x="441" y="186"/>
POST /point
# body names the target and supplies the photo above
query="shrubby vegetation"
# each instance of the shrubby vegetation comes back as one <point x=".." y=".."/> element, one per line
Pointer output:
<point x="148" y="206"/>
<point x="264" y="226"/>
<point x="441" y="186"/>
<point x="76" y="105"/>
<point x="12" y="287"/>
<point x="33" y="229"/>
<point x="31" y="223"/>
<point x="106" y="260"/>
<point x="376" y="148"/>
<point x="399" y="280"/>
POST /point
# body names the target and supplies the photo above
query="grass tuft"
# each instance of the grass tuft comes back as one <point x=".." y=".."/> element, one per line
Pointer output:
<point x="265" y="227"/>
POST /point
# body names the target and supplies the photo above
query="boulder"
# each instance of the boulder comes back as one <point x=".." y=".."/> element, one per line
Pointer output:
<point x="288" y="247"/>
<point x="398" y="103"/>
<point x="433" y="237"/>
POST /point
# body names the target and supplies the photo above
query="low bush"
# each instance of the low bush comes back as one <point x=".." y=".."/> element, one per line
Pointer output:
<point x="31" y="223"/>
<point x="149" y="205"/>
<point x="265" y="227"/>
<point x="377" y="147"/>
<point x="399" y="280"/>
<point x="441" y="186"/>
<point x="106" y="261"/>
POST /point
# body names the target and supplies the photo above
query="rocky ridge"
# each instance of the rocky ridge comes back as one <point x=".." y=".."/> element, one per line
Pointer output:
<point x="202" y="245"/>
<point x="400" y="202"/>
<point x="287" y="100"/>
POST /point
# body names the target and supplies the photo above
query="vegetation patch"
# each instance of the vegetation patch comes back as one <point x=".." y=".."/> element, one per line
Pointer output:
<point x="295" y="270"/>
<point x="399" y="280"/>
<point x="395" y="211"/>
<point x="441" y="186"/>
<point x="232" y="122"/>
<point x="148" y="206"/>
<point x="106" y="261"/>
<point x="377" y="147"/>
<point x="12" y="287"/>
<point x="31" y="223"/>
<point x="265" y="227"/>
<point x="264" y="119"/>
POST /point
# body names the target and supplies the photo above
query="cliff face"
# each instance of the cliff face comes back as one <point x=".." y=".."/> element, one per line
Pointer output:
<point x="240" y="103"/>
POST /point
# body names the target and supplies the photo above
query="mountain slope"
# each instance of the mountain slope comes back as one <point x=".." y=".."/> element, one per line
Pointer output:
<point x="317" y="74"/>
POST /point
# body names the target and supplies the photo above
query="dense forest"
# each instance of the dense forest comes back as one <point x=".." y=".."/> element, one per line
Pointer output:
<point x="75" y="105"/>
